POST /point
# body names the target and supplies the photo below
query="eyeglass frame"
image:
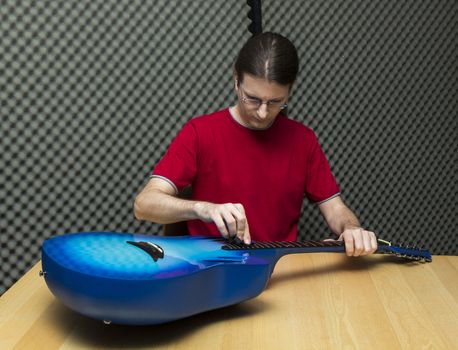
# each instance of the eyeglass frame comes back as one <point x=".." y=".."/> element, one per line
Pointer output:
<point x="257" y="102"/>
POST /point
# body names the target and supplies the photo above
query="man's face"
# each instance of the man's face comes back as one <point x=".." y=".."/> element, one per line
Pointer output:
<point x="259" y="101"/>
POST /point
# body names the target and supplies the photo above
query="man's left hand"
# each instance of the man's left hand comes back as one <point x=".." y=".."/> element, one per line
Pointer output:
<point x="358" y="241"/>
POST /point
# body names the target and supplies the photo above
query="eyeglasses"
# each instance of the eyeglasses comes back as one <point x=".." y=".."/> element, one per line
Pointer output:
<point x="257" y="102"/>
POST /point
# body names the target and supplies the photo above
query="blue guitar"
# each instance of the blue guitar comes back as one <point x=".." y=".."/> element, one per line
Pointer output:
<point x="137" y="279"/>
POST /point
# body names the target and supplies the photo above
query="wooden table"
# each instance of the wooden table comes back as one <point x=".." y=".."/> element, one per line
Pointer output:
<point x="312" y="301"/>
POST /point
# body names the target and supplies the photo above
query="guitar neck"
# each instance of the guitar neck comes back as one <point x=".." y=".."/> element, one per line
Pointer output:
<point x="290" y="247"/>
<point x="283" y="248"/>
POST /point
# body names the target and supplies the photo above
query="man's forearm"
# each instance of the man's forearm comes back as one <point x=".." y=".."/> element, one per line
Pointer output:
<point x="344" y="220"/>
<point x="163" y="208"/>
<point x="338" y="216"/>
<point x="344" y="224"/>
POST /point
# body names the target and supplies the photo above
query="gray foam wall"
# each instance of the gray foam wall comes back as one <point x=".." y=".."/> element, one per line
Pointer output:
<point x="92" y="93"/>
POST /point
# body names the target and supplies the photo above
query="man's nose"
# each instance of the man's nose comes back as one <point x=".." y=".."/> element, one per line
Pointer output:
<point x="262" y="111"/>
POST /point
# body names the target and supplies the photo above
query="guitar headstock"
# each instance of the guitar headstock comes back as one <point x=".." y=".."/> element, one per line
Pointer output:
<point x="404" y="251"/>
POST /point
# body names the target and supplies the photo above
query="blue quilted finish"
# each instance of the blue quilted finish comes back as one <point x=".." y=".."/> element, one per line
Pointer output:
<point x="102" y="276"/>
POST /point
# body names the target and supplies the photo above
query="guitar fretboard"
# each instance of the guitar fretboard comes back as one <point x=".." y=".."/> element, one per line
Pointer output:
<point x="384" y="247"/>
<point x="270" y="245"/>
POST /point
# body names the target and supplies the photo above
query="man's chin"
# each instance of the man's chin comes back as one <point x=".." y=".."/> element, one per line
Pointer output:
<point x="258" y="125"/>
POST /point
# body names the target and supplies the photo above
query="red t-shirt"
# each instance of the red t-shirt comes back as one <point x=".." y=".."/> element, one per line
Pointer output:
<point x="268" y="171"/>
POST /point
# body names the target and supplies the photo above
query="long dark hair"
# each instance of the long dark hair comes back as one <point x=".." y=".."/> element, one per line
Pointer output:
<point x="270" y="56"/>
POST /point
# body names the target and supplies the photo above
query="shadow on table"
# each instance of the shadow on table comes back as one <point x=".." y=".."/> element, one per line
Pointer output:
<point x="364" y="263"/>
<point x="92" y="333"/>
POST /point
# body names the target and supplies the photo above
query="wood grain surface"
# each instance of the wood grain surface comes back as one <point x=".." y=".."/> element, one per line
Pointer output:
<point x="313" y="301"/>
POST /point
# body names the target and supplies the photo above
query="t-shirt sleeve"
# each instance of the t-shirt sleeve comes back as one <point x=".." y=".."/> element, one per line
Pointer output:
<point x="320" y="182"/>
<point x="179" y="164"/>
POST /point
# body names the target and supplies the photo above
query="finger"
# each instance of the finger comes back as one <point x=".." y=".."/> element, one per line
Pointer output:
<point x="219" y="222"/>
<point x="359" y="243"/>
<point x="374" y="244"/>
<point x="367" y="249"/>
<point x="349" y="244"/>
<point x="243" y="229"/>
<point x="246" y="235"/>
<point x="241" y="222"/>
<point x="230" y="223"/>
<point x="233" y="218"/>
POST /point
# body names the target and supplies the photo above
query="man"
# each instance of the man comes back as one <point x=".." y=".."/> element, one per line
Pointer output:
<point x="250" y="165"/>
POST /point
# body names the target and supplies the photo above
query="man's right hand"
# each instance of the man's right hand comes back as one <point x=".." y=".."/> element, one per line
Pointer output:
<point x="229" y="218"/>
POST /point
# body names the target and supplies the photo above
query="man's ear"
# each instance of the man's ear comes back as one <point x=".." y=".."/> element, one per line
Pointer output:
<point x="236" y="80"/>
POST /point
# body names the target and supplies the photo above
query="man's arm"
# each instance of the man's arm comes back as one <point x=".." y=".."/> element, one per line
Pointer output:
<point x="344" y="224"/>
<point x="157" y="203"/>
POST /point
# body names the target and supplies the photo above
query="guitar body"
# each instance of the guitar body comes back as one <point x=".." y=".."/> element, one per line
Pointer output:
<point x="102" y="276"/>
<point x="137" y="279"/>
